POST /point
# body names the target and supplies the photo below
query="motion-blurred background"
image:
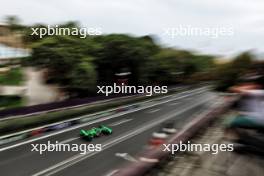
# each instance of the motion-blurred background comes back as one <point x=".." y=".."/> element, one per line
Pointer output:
<point x="135" y="48"/>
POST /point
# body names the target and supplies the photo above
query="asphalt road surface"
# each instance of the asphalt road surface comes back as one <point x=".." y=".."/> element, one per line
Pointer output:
<point x="131" y="132"/>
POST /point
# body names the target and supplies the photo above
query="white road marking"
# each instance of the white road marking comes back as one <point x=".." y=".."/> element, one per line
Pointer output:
<point x="173" y="104"/>
<point x="100" y="120"/>
<point x="112" y="173"/>
<point x="153" y="110"/>
<point x="126" y="156"/>
<point x="69" y="140"/>
<point x="65" y="141"/>
<point x="80" y="157"/>
<point x="190" y="92"/>
<point x="120" y="122"/>
<point x="148" y="160"/>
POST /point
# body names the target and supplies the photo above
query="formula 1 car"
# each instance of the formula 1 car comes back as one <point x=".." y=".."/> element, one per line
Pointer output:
<point x="95" y="132"/>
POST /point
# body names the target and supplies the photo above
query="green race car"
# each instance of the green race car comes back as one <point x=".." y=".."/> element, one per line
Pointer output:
<point x="95" y="132"/>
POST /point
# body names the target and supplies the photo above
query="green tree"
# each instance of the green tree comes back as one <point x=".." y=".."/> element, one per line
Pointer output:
<point x="172" y="66"/>
<point x="118" y="53"/>
<point x="68" y="63"/>
<point x="229" y="74"/>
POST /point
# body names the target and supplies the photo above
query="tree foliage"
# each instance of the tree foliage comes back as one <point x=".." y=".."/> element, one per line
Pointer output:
<point x="68" y="63"/>
<point x="78" y="65"/>
<point x="230" y="73"/>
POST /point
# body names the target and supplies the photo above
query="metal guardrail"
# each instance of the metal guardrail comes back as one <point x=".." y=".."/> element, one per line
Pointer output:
<point x="62" y="124"/>
<point x="55" y="105"/>
<point x="71" y="122"/>
<point x="68" y="123"/>
<point x="72" y="103"/>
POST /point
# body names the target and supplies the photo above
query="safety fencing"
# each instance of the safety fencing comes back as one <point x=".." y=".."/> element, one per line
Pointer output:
<point x="72" y="122"/>
<point x="152" y="157"/>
